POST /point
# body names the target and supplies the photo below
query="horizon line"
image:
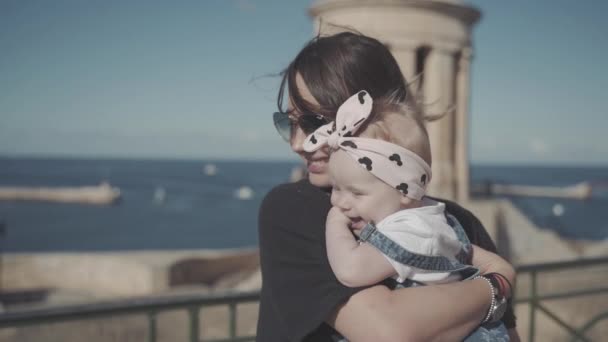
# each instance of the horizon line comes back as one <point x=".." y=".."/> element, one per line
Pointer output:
<point x="59" y="156"/>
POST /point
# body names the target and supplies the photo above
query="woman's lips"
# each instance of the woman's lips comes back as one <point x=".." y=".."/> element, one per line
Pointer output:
<point x="317" y="166"/>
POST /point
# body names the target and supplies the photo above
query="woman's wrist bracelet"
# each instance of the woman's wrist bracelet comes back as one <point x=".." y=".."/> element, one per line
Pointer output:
<point x="493" y="295"/>
<point x="502" y="283"/>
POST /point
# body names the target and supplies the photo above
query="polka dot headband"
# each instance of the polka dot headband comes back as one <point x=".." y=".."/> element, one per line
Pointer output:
<point x="397" y="166"/>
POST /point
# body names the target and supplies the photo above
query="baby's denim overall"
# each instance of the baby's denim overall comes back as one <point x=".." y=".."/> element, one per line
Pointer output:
<point x="487" y="332"/>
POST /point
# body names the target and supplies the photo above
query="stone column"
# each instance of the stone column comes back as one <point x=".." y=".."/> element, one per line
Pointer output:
<point x="438" y="98"/>
<point x="406" y="57"/>
<point x="462" y="124"/>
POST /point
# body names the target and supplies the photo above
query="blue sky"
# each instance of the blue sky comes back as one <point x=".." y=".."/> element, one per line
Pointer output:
<point x="190" y="79"/>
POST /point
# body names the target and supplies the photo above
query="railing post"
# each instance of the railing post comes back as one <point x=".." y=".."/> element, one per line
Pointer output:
<point x="533" y="302"/>
<point x="232" y="308"/>
<point x="194" y="328"/>
<point x="152" y="326"/>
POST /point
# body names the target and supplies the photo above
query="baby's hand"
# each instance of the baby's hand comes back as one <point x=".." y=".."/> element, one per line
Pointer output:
<point x="336" y="217"/>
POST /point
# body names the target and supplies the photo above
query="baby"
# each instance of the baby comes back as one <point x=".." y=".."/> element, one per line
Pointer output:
<point x="379" y="180"/>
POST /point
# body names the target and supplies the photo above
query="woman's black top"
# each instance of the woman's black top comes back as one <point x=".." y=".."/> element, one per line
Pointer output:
<point x="299" y="289"/>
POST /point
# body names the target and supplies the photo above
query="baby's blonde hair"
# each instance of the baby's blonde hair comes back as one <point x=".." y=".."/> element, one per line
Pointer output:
<point x="400" y="124"/>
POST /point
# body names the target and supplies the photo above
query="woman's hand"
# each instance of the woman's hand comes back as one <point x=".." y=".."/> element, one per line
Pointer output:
<point x="379" y="314"/>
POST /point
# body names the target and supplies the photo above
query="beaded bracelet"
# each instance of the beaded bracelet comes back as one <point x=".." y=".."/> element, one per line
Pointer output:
<point x="502" y="283"/>
<point x="493" y="294"/>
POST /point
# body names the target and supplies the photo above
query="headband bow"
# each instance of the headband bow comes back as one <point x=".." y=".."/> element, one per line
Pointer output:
<point x="397" y="166"/>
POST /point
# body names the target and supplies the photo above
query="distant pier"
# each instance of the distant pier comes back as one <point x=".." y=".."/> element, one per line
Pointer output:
<point x="580" y="191"/>
<point x="102" y="194"/>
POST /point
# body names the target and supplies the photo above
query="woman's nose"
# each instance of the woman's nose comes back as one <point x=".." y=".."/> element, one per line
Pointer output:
<point x="297" y="140"/>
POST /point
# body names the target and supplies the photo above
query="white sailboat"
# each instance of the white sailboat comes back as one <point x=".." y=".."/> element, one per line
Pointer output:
<point x="210" y="169"/>
<point x="244" y="193"/>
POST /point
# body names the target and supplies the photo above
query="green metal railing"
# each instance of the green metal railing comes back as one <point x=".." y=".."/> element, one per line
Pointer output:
<point x="535" y="299"/>
<point x="192" y="304"/>
<point x="149" y="307"/>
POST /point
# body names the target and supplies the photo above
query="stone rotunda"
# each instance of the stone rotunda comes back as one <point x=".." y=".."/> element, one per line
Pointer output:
<point x="431" y="40"/>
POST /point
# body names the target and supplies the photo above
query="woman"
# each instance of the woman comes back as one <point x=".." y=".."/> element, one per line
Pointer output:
<point x="301" y="298"/>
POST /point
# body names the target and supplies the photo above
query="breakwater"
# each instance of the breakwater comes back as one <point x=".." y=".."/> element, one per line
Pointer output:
<point x="102" y="194"/>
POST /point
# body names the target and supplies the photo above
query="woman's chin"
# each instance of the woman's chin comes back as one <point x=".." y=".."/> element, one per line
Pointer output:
<point x="320" y="180"/>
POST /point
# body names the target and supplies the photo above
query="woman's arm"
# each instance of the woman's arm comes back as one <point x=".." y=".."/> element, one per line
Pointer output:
<point x="447" y="312"/>
<point x="353" y="264"/>
<point x="489" y="262"/>
<point x="428" y="313"/>
<point x="439" y="312"/>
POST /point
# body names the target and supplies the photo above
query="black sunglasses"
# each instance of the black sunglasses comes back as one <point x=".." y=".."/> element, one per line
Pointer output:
<point x="285" y="123"/>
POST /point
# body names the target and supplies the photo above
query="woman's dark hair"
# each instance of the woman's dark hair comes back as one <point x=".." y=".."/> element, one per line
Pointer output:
<point x="336" y="67"/>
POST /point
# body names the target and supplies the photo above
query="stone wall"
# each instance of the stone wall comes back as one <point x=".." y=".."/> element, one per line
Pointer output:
<point x="121" y="274"/>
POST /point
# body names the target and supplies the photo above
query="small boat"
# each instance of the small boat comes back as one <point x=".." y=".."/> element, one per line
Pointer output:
<point x="160" y="195"/>
<point x="244" y="193"/>
<point x="558" y="209"/>
<point x="210" y="169"/>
